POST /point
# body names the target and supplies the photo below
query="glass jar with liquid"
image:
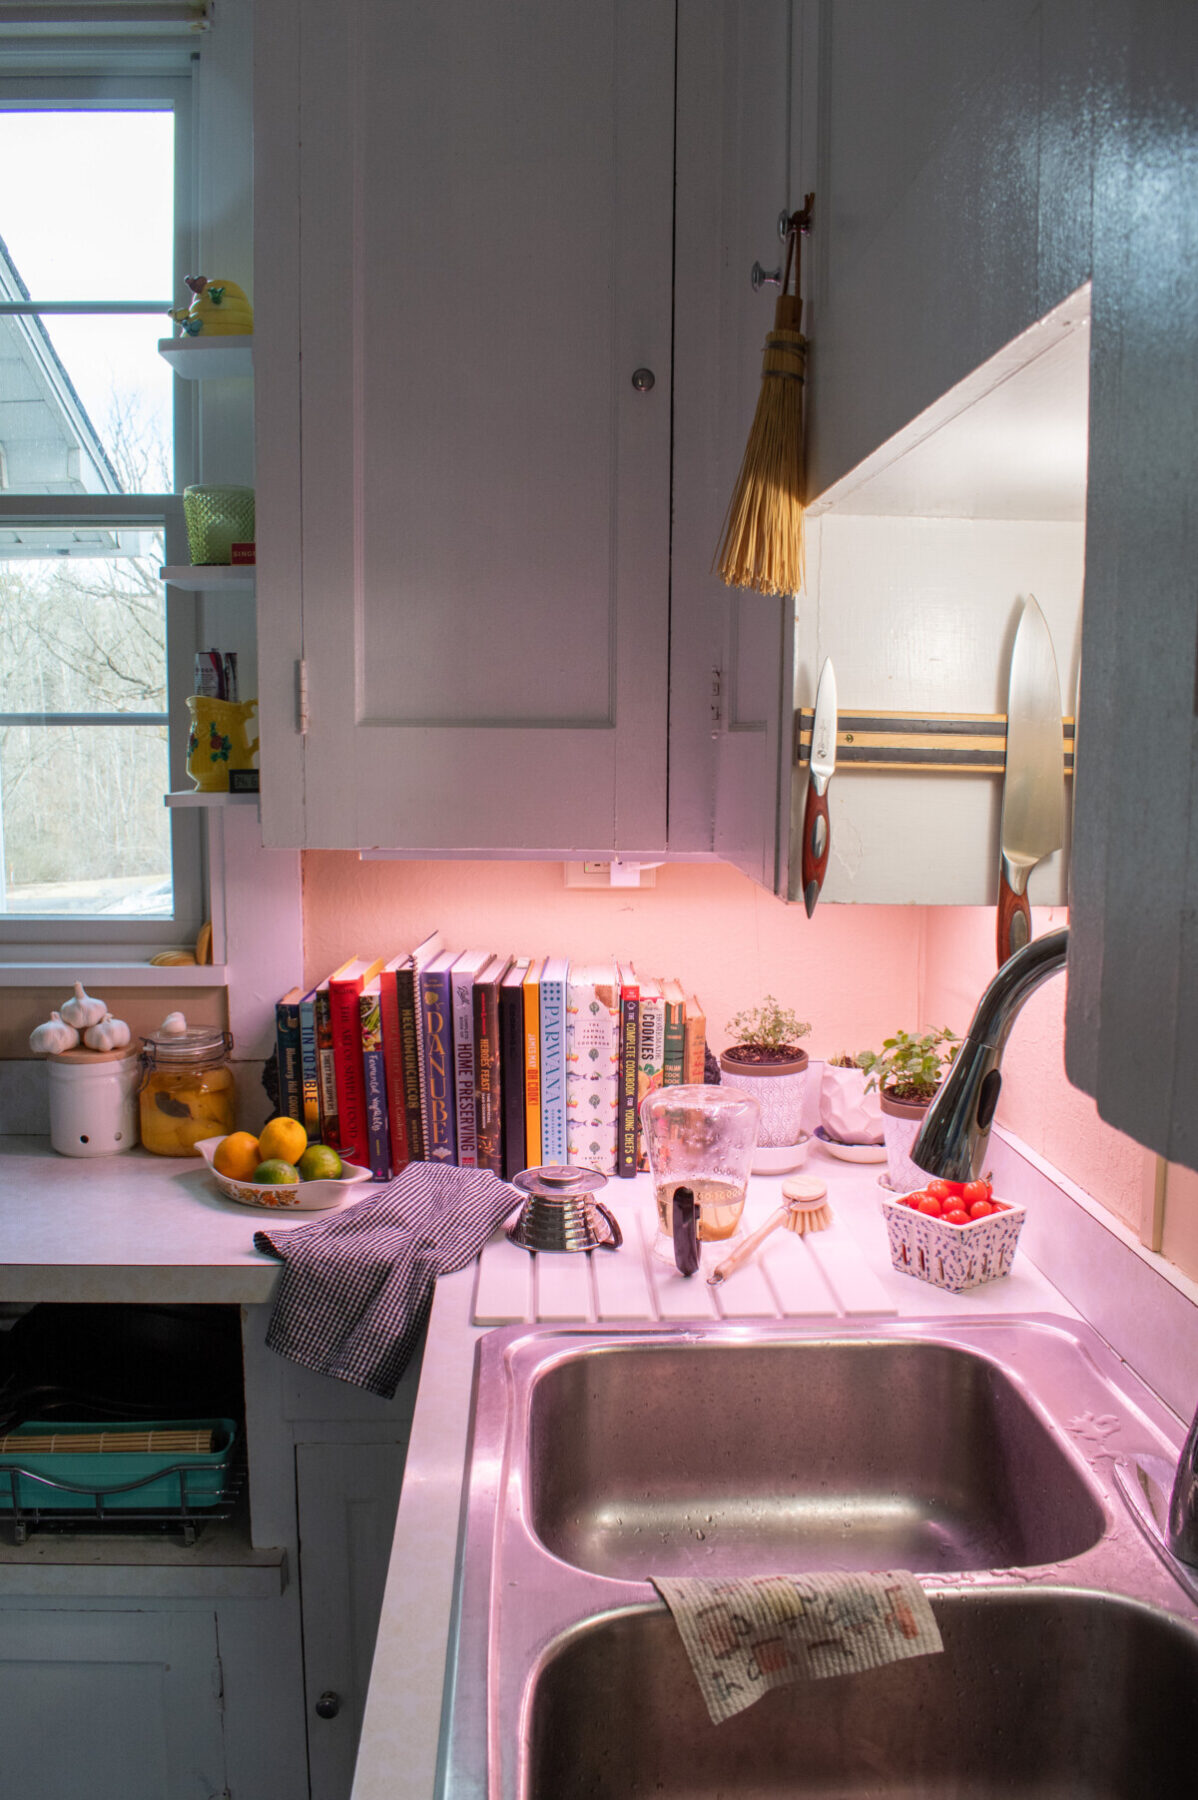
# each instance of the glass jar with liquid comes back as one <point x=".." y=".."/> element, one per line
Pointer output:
<point x="700" y="1142"/>
<point x="187" y="1089"/>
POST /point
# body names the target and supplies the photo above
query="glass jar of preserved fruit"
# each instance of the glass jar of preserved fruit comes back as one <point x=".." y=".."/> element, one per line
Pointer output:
<point x="187" y="1088"/>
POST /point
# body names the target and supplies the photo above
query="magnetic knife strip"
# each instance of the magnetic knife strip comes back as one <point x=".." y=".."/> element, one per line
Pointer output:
<point x="952" y="743"/>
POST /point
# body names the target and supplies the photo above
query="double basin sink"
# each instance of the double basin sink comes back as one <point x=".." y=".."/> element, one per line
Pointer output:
<point x="984" y="1455"/>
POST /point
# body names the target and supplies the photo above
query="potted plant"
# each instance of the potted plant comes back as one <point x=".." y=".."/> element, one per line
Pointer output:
<point x="766" y="1060"/>
<point x="849" y="1109"/>
<point x="907" y="1072"/>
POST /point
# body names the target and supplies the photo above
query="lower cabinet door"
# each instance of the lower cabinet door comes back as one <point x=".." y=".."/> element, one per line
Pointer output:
<point x="111" y="1705"/>
<point x="348" y="1499"/>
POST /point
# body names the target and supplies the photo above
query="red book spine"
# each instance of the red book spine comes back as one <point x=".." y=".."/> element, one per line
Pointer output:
<point x="393" y="1066"/>
<point x="347" y="1063"/>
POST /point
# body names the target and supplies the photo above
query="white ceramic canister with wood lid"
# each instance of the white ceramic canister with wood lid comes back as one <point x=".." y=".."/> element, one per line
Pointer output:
<point x="93" y="1100"/>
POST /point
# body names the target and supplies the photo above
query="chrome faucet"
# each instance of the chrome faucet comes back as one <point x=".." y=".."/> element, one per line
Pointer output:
<point x="952" y="1143"/>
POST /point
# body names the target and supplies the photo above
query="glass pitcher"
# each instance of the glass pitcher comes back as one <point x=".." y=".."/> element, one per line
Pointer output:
<point x="700" y="1142"/>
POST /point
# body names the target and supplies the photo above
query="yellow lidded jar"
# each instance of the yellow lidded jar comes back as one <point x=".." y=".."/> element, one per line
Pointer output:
<point x="187" y="1089"/>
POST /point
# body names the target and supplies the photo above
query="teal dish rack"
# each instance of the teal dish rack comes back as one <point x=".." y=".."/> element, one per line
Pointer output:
<point x="115" y="1486"/>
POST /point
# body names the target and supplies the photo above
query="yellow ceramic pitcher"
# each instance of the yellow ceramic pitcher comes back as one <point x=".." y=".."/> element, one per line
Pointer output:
<point x="217" y="741"/>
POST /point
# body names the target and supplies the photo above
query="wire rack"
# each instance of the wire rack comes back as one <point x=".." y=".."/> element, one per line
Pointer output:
<point x="26" y="1504"/>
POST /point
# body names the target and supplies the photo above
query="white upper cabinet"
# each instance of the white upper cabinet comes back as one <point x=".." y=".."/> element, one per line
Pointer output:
<point x="464" y="312"/>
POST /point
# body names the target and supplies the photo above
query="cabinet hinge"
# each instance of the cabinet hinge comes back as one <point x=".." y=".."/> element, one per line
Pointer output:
<point x="301" y="696"/>
<point x="717" y="701"/>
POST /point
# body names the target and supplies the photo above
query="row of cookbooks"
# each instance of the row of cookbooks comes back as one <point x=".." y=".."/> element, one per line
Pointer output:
<point x="484" y="1061"/>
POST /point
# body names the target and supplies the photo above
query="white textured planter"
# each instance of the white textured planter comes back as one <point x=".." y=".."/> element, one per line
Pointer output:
<point x="847" y="1111"/>
<point x="778" y="1089"/>
<point x="93" y="1101"/>
<point x="901" y="1120"/>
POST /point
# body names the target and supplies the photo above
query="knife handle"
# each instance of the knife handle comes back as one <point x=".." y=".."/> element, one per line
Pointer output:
<point x="816" y="839"/>
<point x="1014" y="919"/>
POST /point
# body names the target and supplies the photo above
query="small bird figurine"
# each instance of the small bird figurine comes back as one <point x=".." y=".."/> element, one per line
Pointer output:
<point x="219" y="308"/>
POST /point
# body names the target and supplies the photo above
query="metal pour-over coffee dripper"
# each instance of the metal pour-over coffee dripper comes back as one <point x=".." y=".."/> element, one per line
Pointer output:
<point x="560" y="1212"/>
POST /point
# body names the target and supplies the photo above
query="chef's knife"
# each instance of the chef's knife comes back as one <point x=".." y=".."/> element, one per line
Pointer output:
<point x="1033" y="801"/>
<point x="823" y="763"/>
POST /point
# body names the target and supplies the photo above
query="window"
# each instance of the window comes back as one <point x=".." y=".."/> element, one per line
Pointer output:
<point x="94" y="658"/>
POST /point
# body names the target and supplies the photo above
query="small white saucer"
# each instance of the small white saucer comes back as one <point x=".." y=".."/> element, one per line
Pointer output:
<point x="858" y="1153"/>
<point x="780" y="1159"/>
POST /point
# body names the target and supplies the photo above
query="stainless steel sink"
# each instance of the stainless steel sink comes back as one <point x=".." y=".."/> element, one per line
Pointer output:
<point x="1043" y="1693"/>
<point x="725" y="1458"/>
<point x="983" y="1454"/>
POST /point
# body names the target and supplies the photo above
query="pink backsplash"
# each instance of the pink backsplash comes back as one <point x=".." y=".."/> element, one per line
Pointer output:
<point x="856" y="972"/>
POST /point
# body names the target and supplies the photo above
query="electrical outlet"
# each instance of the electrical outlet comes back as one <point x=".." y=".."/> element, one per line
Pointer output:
<point x="611" y="874"/>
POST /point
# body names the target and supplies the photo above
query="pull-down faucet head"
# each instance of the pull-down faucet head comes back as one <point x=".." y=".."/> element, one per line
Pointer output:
<point x="952" y="1141"/>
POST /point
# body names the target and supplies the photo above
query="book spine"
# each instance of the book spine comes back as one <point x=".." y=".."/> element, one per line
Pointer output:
<point x="374" y="1087"/>
<point x="309" y="1073"/>
<point x="553" y="1071"/>
<point x="592" y="1075"/>
<point x="347" y="1060"/>
<point x="511" y="1064"/>
<point x="672" y="1047"/>
<point x="393" y="1069"/>
<point x="287" y="1041"/>
<point x="532" y="1075"/>
<point x="695" y="1049"/>
<point x="652" y="1034"/>
<point x="330" y="1125"/>
<point x="464" y="1069"/>
<point x="488" y="1099"/>
<point x="628" y="1136"/>
<point x="436" y="1011"/>
<point x="411" y="1039"/>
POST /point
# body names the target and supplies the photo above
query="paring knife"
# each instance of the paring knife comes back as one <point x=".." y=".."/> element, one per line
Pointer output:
<point x="816" y="829"/>
<point x="1033" y="801"/>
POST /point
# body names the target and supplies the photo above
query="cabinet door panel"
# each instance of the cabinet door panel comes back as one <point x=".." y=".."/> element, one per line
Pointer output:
<point x="486" y="241"/>
<point x="117" y="1706"/>
<point x="348" y="1498"/>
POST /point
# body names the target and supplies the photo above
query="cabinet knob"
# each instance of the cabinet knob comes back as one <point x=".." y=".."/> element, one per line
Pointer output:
<point x="764" y="277"/>
<point x="329" y="1705"/>
<point x="643" y="380"/>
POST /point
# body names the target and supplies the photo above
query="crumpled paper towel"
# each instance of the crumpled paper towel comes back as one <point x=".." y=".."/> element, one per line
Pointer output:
<point x="764" y="1631"/>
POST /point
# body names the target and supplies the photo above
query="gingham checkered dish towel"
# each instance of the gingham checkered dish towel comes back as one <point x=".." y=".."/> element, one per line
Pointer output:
<point x="357" y="1287"/>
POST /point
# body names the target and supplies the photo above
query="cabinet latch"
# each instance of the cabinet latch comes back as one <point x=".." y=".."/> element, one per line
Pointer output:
<point x="301" y="696"/>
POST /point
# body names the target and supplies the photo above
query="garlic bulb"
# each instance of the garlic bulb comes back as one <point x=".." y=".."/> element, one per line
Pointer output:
<point x="174" y="1025"/>
<point x="83" y="1011"/>
<point x="53" y="1035"/>
<point x="109" y="1034"/>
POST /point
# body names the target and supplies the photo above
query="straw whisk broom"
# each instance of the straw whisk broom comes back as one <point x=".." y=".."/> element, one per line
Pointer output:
<point x="762" y="546"/>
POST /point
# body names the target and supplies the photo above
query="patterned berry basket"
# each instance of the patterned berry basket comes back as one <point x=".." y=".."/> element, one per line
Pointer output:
<point x="952" y="1256"/>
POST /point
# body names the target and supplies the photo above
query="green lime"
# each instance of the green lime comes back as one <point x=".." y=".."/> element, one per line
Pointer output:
<point x="275" y="1171"/>
<point x="319" y="1163"/>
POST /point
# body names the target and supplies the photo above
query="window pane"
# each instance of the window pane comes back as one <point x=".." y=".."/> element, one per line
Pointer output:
<point x="82" y="825"/>
<point x="85" y="399"/>
<point x="92" y="215"/>
<point x="82" y="621"/>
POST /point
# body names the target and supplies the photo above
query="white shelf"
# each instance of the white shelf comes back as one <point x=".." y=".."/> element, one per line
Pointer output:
<point x="95" y="975"/>
<point x="208" y="576"/>
<point x="196" y="358"/>
<point x="196" y="798"/>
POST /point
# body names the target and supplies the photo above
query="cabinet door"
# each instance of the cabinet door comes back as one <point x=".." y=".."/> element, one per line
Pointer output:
<point x="483" y="264"/>
<point x="348" y="1499"/>
<point x="114" y="1705"/>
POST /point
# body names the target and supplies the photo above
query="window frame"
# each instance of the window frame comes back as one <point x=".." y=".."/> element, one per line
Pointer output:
<point x="164" y="83"/>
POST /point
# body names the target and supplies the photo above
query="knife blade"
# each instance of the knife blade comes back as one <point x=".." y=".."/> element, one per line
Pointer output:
<point x="1033" y="802"/>
<point x="816" y="825"/>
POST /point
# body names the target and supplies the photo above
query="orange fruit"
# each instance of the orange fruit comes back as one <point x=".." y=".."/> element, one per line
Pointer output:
<point x="237" y="1156"/>
<point x="282" y="1140"/>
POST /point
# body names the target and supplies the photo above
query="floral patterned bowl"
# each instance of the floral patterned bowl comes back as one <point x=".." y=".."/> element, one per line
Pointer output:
<point x="952" y="1256"/>
<point x="295" y="1196"/>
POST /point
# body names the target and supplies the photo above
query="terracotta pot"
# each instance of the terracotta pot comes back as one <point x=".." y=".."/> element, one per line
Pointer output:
<point x="901" y="1120"/>
<point x="778" y="1088"/>
<point x="848" y="1111"/>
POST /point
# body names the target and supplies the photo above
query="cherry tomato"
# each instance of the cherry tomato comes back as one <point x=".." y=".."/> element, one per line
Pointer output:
<point x="981" y="1209"/>
<point x="930" y="1205"/>
<point x="975" y="1190"/>
<point x="999" y="1206"/>
<point x="944" y="1190"/>
<point x="957" y="1216"/>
